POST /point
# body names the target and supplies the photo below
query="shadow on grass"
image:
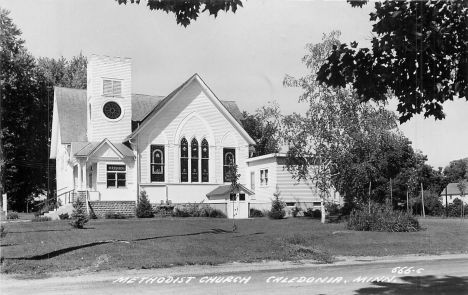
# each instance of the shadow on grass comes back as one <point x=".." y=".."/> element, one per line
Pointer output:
<point x="37" y="231"/>
<point x="419" y="286"/>
<point x="70" y="249"/>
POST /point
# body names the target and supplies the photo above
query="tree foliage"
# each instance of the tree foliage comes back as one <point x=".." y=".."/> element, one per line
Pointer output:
<point x="457" y="170"/>
<point x="144" y="208"/>
<point x="79" y="217"/>
<point x="264" y="128"/>
<point x="339" y="142"/>
<point x="186" y="11"/>
<point x="26" y="114"/>
<point x="419" y="52"/>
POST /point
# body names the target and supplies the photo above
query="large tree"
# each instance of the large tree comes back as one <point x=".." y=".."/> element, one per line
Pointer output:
<point x="457" y="170"/>
<point x="186" y="11"/>
<point x="419" y="52"/>
<point x="338" y="138"/>
<point x="26" y="114"/>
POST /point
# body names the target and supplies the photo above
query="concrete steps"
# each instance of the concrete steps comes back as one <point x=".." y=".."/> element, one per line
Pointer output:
<point x="67" y="208"/>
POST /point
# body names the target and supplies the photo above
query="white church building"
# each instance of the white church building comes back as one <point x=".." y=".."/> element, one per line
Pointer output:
<point x="109" y="144"/>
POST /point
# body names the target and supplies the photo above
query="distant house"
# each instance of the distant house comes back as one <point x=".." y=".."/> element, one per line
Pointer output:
<point x="452" y="192"/>
<point x="110" y="143"/>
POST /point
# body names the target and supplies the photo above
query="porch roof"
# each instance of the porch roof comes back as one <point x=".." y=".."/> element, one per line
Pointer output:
<point x="88" y="149"/>
<point x="225" y="189"/>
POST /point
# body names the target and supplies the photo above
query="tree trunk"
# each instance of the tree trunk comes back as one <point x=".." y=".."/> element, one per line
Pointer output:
<point x="322" y="209"/>
<point x="422" y="199"/>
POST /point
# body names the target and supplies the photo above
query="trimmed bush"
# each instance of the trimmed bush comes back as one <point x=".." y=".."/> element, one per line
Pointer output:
<point x="382" y="218"/>
<point x="114" y="215"/>
<point x="79" y="216"/>
<point x="197" y="210"/>
<point x="41" y="218"/>
<point x="12" y="215"/>
<point x="256" y="213"/>
<point x="144" y="208"/>
<point x="277" y="207"/>
<point x="64" y="216"/>
<point x="295" y="211"/>
<point x="311" y="213"/>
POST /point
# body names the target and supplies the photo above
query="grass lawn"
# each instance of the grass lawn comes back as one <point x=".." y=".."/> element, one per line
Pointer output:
<point x="36" y="247"/>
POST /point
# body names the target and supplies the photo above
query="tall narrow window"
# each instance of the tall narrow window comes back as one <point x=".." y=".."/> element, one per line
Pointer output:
<point x="157" y="163"/>
<point x="205" y="154"/>
<point x="194" y="160"/>
<point x="229" y="157"/>
<point x="184" y="153"/>
<point x="252" y="181"/>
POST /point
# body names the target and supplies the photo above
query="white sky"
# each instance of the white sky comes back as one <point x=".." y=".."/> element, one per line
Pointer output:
<point x="242" y="57"/>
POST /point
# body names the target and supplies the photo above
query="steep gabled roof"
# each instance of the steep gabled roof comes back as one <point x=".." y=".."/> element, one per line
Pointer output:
<point x="71" y="104"/>
<point x="91" y="147"/>
<point x="230" y="106"/>
<point x="142" y="105"/>
<point x="223" y="190"/>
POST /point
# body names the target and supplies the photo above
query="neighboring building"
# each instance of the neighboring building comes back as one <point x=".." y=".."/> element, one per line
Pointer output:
<point x="109" y="144"/>
<point x="266" y="173"/>
<point x="452" y="192"/>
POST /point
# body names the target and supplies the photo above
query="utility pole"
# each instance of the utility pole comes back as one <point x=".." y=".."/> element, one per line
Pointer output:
<point x="407" y="202"/>
<point x="422" y="198"/>
<point x="446" y="202"/>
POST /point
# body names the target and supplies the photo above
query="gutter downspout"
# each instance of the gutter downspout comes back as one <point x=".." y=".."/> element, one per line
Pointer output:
<point x="137" y="169"/>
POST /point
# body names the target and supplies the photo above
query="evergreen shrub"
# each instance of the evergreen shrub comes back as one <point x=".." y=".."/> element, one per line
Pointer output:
<point x="79" y="217"/>
<point x="256" y="213"/>
<point x="144" y="208"/>
<point x="277" y="206"/>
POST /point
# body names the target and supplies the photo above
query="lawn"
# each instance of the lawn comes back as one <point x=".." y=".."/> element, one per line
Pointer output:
<point x="37" y="247"/>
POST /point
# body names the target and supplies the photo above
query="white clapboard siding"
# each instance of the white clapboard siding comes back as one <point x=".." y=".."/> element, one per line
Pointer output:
<point x="113" y="68"/>
<point x="205" y="121"/>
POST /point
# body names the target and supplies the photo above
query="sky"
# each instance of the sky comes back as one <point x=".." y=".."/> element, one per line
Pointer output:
<point x="242" y="57"/>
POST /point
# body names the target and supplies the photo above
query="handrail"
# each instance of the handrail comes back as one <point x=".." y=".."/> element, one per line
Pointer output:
<point x="48" y="200"/>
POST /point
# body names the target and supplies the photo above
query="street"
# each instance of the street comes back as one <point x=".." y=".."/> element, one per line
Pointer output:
<point x="414" y="275"/>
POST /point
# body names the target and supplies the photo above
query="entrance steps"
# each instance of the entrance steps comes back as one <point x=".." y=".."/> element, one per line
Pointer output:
<point x="67" y="208"/>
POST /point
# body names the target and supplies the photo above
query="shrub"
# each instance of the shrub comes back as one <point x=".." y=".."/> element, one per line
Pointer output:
<point x="332" y="208"/>
<point x="277" y="207"/>
<point x="79" y="216"/>
<point x="114" y="215"/>
<point x="197" y="210"/>
<point x="311" y="213"/>
<point x="256" y="213"/>
<point x="37" y="214"/>
<point x="3" y="232"/>
<point x="295" y="211"/>
<point x="382" y="218"/>
<point x="12" y="215"/>
<point x="41" y="218"/>
<point x="64" y="216"/>
<point x="144" y="208"/>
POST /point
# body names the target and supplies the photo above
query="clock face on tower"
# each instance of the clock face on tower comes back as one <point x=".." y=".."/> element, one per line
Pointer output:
<point x="112" y="110"/>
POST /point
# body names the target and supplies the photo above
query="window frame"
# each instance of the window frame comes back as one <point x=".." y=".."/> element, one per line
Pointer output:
<point x="264" y="177"/>
<point x="153" y="176"/>
<point x="116" y="174"/>
<point x="225" y="165"/>
<point x="184" y="159"/>
<point x="205" y="160"/>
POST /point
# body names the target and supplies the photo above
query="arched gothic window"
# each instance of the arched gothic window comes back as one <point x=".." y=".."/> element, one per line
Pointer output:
<point x="194" y="160"/>
<point x="229" y="157"/>
<point x="184" y="155"/>
<point x="157" y="163"/>
<point x="205" y="154"/>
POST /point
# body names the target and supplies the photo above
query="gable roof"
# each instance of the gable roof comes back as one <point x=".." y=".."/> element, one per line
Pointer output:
<point x="452" y="189"/>
<point x="91" y="147"/>
<point x="142" y="105"/>
<point x="71" y="104"/>
<point x="225" y="189"/>
<point x="230" y="106"/>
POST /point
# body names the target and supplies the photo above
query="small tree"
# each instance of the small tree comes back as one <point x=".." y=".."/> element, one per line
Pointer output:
<point x="79" y="216"/>
<point x="233" y="176"/>
<point x="277" y="206"/>
<point x="144" y="208"/>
